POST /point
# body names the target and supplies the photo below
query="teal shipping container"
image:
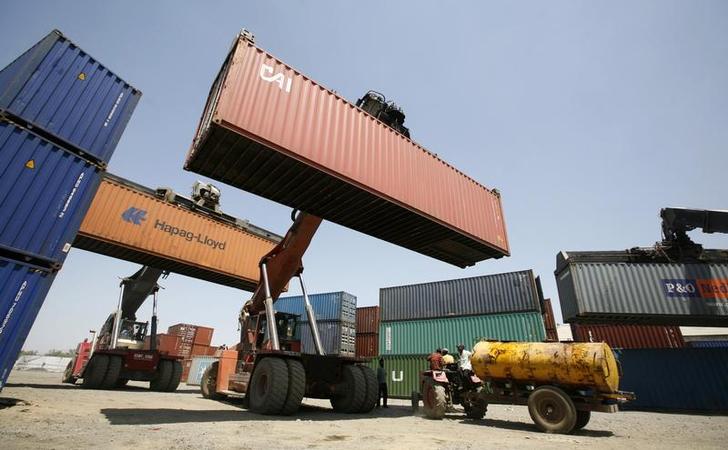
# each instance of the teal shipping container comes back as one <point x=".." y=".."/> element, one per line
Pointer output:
<point x="403" y="373"/>
<point x="414" y="337"/>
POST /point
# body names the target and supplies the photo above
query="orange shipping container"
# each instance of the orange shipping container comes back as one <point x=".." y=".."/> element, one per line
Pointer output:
<point x="165" y="343"/>
<point x="203" y="336"/>
<point x="267" y="127"/>
<point x="200" y="350"/>
<point x="127" y="221"/>
<point x="367" y="320"/>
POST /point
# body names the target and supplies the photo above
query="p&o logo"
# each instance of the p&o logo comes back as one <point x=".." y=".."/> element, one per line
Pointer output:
<point x="134" y="215"/>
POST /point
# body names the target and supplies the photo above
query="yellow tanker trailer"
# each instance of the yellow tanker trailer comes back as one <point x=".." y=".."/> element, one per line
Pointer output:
<point x="562" y="383"/>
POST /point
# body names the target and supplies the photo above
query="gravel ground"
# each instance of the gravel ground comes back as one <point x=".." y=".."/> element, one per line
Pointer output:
<point x="49" y="414"/>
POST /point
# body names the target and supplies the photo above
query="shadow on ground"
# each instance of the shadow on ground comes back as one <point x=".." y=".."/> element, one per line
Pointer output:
<point x="158" y="416"/>
<point x="530" y="427"/>
<point x="78" y="386"/>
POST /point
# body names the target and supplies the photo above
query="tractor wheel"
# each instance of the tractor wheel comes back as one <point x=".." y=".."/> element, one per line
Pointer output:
<point x="268" y="387"/>
<point x="95" y="372"/>
<point x="68" y="373"/>
<point x="354" y="392"/>
<point x="476" y="410"/>
<point x="121" y="382"/>
<point x="175" y="378"/>
<point x="296" y="386"/>
<point x="582" y="419"/>
<point x="552" y="410"/>
<point x="372" y="389"/>
<point x="434" y="399"/>
<point x="112" y="372"/>
<point x="164" y="376"/>
<point x="208" y="384"/>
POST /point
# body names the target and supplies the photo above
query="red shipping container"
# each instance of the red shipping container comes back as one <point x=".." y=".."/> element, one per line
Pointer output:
<point x="200" y="350"/>
<point x="272" y="131"/>
<point x="367" y="345"/>
<point x="203" y="335"/>
<point x="186" y="364"/>
<point x="549" y="321"/>
<point x="165" y="343"/>
<point x="367" y="320"/>
<point x="629" y="336"/>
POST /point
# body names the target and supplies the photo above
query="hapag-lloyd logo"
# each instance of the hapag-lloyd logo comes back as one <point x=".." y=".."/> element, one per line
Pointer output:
<point x="135" y="216"/>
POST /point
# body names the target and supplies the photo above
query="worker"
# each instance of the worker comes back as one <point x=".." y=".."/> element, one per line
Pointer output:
<point x="447" y="358"/>
<point x="435" y="360"/>
<point x="382" y="379"/>
<point x="464" y="361"/>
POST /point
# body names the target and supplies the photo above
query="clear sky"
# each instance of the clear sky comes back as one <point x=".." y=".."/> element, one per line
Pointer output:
<point x="587" y="116"/>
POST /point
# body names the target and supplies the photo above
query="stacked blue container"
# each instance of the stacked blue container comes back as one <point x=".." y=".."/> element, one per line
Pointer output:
<point x="336" y="317"/>
<point x="62" y="114"/>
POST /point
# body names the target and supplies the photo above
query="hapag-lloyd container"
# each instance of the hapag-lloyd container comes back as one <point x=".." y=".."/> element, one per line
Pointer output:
<point x="129" y="221"/>
<point x="45" y="192"/>
<point x="629" y="336"/>
<point x="339" y="306"/>
<point x="643" y="286"/>
<point x="272" y="131"/>
<point x="61" y="90"/>
<point x="23" y="288"/>
<point x="487" y="294"/>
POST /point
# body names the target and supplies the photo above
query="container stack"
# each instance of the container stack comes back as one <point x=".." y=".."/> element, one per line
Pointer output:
<point x="367" y="332"/>
<point x="417" y="319"/>
<point x="191" y="341"/>
<point x="62" y="114"/>
<point x="335" y="315"/>
<point x="549" y="321"/>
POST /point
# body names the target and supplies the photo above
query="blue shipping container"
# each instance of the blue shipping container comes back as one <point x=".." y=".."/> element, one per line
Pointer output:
<point x="329" y="306"/>
<point x="45" y="192"/>
<point x="23" y="289"/>
<point x="198" y="367"/>
<point x="675" y="378"/>
<point x="59" y="88"/>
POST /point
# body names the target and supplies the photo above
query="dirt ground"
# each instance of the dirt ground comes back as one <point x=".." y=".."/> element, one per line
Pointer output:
<point x="52" y="415"/>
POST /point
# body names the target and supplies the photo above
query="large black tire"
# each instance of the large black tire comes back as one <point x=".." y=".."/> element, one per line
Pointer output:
<point x="208" y="384"/>
<point x="68" y="373"/>
<point x="296" y="386"/>
<point x="175" y="378"/>
<point x="552" y="410"/>
<point x="93" y="375"/>
<point x="269" y="386"/>
<point x="434" y="399"/>
<point x="476" y="410"/>
<point x="372" y="389"/>
<point x="164" y="376"/>
<point x="112" y="372"/>
<point x="353" y="394"/>
<point x="582" y="419"/>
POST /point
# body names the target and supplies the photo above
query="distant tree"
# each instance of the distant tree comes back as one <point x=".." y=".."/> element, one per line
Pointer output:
<point x="61" y="353"/>
<point x="28" y="352"/>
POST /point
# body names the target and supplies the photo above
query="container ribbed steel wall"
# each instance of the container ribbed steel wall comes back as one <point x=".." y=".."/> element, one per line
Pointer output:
<point x="326" y="306"/>
<point x="198" y="365"/>
<point x="337" y="337"/>
<point x="676" y="378"/>
<point x="267" y="127"/>
<point x="708" y="344"/>
<point x="59" y="89"/>
<point x="23" y="289"/>
<point x="610" y="287"/>
<point x="487" y="294"/>
<point x="424" y="336"/>
<point x="367" y="345"/>
<point x="45" y="192"/>
<point x="367" y="319"/>
<point x="403" y="373"/>
<point x="549" y="321"/>
<point x="629" y="336"/>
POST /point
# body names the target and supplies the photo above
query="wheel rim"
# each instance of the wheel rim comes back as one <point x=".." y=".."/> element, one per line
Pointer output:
<point x="551" y="410"/>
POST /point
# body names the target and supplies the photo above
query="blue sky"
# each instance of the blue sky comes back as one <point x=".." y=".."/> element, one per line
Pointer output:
<point x="587" y="116"/>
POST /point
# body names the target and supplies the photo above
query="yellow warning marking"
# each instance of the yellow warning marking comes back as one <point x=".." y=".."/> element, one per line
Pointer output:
<point x="81" y="76"/>
<point x="30" y="164"/>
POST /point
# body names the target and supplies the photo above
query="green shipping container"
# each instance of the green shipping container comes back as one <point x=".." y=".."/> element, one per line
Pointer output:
<point x="403" y="373"/>
<point x="417" y="337"/>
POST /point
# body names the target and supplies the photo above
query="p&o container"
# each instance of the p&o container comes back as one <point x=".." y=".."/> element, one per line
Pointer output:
<point x="642" y="287"/>
<point x="60" y="90"/>
<point x="267" y="127"/>
<point x="23" y="288"/>
<point x="45" y="192"/>
<point x="487" y="294"/>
